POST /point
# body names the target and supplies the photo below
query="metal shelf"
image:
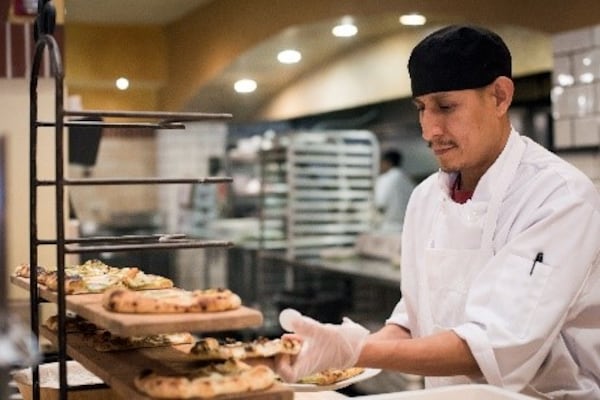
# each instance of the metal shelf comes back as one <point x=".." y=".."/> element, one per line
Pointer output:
<point x="315" y="181"/>
<point x="46" y="45"/>
<point x="133" y="242"/>
<point x="165" y="116"/>
<point x="171" y="245"/>
<point x="134" y="181"/>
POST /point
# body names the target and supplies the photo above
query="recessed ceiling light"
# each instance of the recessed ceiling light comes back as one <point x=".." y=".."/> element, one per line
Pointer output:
<point x="587" y="77"/>
<point x="345" y="29"/>
<point x="289" y="56"/>
<point x="414" y="19"/>
<point x="245" y="86"/>
<point x="565" y="79"/>
<point x="122" y="83"/>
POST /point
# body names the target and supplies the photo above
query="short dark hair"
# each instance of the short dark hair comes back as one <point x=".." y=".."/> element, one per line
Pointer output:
<point x="393" y="157"/>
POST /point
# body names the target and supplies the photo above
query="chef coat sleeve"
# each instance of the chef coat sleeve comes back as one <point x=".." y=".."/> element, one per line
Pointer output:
<point x="515" y="310"/>
<point x="399" y="315"/>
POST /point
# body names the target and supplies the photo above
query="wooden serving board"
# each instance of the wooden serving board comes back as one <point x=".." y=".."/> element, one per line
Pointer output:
<point x="89" y="306"/>
<point x="118" y="369"/>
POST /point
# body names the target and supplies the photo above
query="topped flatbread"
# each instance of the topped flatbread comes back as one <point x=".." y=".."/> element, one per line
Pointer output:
<point x="170" y="301"/>
<point x="331" y="376"/>
<point x="94" y="276"/>
<point x="103" y="340"/>
<point x="210" y="348"/>
<point x="230" y="377"/>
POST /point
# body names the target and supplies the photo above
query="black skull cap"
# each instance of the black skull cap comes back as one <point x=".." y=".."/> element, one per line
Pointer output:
<point x="458" y="57"/>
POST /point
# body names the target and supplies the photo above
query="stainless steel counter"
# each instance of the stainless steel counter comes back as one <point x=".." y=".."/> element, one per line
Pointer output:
<point x="380" y="271"/>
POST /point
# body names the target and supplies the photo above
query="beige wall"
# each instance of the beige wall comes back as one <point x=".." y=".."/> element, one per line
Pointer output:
<point x="122" y="156"/>
<point x="14" y="126"/>
<point x="176" y="61"/>
<point x="349" y="82"/>
<point x="203" y="43"/>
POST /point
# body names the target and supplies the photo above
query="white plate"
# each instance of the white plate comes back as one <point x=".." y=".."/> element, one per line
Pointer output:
<point x="309" y="387"/>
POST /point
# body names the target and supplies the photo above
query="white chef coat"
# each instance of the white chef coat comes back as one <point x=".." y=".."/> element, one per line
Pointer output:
<point x="392" y="191"/>
<point x="534" y="330"/>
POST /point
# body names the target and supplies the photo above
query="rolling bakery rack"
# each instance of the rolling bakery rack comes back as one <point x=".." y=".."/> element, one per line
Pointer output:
<point x="116" y="370"/>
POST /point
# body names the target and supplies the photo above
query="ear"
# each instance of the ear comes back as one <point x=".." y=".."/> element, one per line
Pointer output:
<point x="504" y="89"/>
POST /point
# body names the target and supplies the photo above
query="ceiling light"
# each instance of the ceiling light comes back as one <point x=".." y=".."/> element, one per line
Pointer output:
<point x="289" y="56"/>
<point x="345" y="29"/>
<point x="413" y="19"/>
<point x="557" y="91"/>
<point x="122" y="83"/>
<point x="565" y="79"/>
<point x="245" y="86"/>
<point x="587" y="77"/>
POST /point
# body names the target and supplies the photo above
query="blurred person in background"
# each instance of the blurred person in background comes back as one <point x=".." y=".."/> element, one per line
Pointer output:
<point x="392" y="191"/>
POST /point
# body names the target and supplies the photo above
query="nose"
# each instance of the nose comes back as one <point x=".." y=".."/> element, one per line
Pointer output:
<point x="431" y="125"/>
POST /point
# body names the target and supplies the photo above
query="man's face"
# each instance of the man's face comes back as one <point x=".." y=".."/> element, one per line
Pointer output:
<point x="461" y="128"/>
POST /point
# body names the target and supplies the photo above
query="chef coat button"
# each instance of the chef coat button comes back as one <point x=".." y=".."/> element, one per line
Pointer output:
<point x="472" y="216"/>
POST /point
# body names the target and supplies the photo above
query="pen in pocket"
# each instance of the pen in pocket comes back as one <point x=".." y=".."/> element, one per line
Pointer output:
<point x="538" y="258"/>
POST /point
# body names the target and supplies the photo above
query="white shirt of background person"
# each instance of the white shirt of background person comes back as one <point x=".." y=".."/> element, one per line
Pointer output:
<point x="392" y="191"/>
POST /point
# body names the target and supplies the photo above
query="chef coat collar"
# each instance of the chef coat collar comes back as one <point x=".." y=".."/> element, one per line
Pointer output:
<point x="485" y="186"/>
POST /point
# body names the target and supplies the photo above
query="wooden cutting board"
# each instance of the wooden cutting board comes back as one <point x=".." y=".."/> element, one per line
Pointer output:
<point x="89" y="306"/>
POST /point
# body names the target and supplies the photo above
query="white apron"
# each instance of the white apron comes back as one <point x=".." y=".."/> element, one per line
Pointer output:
<point x="449" y="271"/>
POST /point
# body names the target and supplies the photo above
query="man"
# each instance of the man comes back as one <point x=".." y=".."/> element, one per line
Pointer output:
<point x="500" y="252"/>
<point x="392" y="191"/>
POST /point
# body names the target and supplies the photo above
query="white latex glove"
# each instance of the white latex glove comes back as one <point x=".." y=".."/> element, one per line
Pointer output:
<point x="323" y="345"/>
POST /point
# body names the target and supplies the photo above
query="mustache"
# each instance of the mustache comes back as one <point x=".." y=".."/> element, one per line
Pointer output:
<point x="440" y="143"/>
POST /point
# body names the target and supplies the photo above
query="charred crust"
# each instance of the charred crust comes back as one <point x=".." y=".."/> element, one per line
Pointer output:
<point x="146" y="372"/>
<point x="115" y="294"/>
<point x="112" y="300"/>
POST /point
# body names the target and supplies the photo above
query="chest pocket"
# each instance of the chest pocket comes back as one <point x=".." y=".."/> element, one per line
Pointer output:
<point x="517" y="293"/>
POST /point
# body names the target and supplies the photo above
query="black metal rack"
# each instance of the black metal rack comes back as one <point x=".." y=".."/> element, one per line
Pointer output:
<point x="44" y="27"/>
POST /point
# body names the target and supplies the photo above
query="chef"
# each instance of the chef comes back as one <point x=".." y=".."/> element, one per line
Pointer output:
<point x="500" y="251"/>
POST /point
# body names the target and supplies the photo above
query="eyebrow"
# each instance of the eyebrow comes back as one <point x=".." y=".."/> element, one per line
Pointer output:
<point x="435" y="97"/>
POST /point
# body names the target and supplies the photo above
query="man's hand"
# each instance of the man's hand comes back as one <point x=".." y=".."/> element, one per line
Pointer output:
<point x="323" y="345"/>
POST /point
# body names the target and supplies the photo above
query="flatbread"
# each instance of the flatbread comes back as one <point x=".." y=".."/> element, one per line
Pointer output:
<point x="207" y="382"/>
<point x="73" y="324"/>
<point x="210" y="348"/>
<point x="170" y="301"/>
<point x="94" y="276"/>
<point x="105" y="341"/>
<point x="24" y="271"/>
<point x="331" y="376"/>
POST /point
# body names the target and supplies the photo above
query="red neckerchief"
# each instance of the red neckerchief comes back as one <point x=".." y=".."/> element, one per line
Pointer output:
<point x="460" y="196"/>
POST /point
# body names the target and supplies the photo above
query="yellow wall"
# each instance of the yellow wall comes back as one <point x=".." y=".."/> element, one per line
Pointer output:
<point x="96" y="56"/>
<point x="14" y="126"/>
